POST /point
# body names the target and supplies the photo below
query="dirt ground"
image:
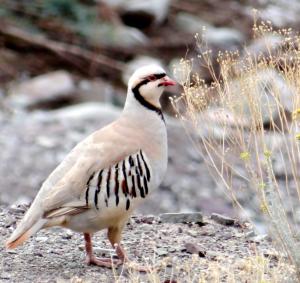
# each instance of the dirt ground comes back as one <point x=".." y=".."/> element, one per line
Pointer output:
<point x="181" y="252"/>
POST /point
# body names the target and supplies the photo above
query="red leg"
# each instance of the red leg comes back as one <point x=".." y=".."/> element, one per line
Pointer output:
<point x="91" y="259"/>
<point x="114" y="236"/>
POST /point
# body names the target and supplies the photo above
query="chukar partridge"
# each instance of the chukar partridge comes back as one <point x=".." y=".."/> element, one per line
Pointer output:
<point x="103" y="179"/>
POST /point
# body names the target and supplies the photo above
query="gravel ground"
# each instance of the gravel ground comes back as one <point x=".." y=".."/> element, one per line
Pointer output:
<point x="57" y="255"/>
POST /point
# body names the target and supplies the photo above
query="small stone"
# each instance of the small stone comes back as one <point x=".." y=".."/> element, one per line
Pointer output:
<point x="150" y="219"/>
<point x="192" y="233"/>
<point x="189" y="217"/>
<point x="104" y="252"/>
<point x="68" y="235"/>
<point x="161" y="251"/>
<point x="249" y="234"/>
<point x="41" y="239"/>
<point x="271" y="255"/>
<point x="259" y="238"/>
<point x="9" y="222"/>
<point x="227" y="236"/>
<point x="221" y="219"/>
<point x="172" y="249"/>
<point x="5" y="275"/>
<point x="194" y="249"/>
<point x="212" y="255"/>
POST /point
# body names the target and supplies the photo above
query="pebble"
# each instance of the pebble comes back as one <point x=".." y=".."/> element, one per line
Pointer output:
<point x="161" y="251"/>
<point x="194" y="249"/>
<point x="259" y="238"/>
<point x="41" y="239"/>
<point x="193" y="217"/>
<point x="150" y="219"/>
<point x="192" y="233"/>
<point x="222" y="219"/>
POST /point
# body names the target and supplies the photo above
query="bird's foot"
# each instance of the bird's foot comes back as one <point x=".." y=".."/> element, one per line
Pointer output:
<point x="104" y="262"/>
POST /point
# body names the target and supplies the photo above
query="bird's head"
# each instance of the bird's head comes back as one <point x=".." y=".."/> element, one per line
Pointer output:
<point x="148" y="83"/>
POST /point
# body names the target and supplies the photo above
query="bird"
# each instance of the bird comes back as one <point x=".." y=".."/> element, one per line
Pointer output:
<point x="104" y="177"/>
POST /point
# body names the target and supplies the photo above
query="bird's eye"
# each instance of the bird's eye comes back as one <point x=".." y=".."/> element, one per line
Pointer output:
<point x="152" y="78"/>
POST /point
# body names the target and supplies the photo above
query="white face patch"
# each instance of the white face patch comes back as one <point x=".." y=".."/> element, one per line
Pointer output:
<point x="141" y="73"/>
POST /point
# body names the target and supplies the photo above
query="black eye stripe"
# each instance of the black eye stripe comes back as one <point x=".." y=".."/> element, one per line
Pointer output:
<point x="154" y="77"/>
<point x="159" y="76"/>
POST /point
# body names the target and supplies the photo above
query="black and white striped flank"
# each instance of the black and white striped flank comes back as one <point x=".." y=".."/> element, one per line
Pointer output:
<point x="127" y="180"/>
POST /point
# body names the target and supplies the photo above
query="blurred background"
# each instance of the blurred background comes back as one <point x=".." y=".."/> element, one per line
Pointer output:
<point x="64" y="66"/>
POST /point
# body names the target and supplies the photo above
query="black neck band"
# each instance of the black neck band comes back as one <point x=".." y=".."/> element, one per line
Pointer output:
<point x="143" y="101"/>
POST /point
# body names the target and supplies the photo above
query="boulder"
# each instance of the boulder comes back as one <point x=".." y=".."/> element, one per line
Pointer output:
<point x="141" y="14"/>
<point x="264" y="45"/>
<point x="115" y="35"/>
<point x="265" y="88"/>
<point x="224" y="38"/>
<point x="54" y="86"/>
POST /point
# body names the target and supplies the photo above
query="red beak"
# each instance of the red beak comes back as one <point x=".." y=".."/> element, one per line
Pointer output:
<point x="166" y="81"/>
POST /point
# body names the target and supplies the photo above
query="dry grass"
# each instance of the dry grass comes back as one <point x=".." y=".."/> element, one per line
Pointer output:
<point x="255" y="101"/>
<point x="252" y="269"/>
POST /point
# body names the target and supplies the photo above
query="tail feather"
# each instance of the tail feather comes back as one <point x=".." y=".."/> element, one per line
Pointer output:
<point x="20" y="236"/>
<point x="30" y="224"/>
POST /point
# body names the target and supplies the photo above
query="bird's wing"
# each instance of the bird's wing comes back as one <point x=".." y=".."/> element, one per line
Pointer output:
<point x="101" y="150"/>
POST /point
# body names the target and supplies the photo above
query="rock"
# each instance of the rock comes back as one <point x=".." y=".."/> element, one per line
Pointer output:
<point x="22" y="203"/>
<point x="264" y="45"/>
<point x="141" y="14"/>
<point x="212" y="255"/>
<point x="193" y="217"/>
<point x="138" y="62"/>
<point x="149" y="219"/>
<point x="194" y="249"/>
<point x="224" y="38"/>
<point x="50" y="87"/>
<point x="277" y="143"/>
<point x="98" y="90"/>
<point x="219" y="123"/>
<point x="192" y="233"/>
<point x="221" y="219"/>
<point x="103" y="251"/>
<point x="41" y="239"/>
<point x="67" y="235"/>
<point x="190" y="23"/>
<point x="259" y="238"/>
<point x="86" y="111"/>
<point x="161" y="251"/>
<point x="261" y="89"/>
<point x="273" y="11"/>
<point x="120" y="36"/>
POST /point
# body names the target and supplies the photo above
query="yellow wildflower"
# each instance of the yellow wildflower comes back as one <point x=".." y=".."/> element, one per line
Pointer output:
<point x="296" y="114"/>
<point x="245" y="155"/>
<point x="264" y="207"/>
<point x="267" y="153"/>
